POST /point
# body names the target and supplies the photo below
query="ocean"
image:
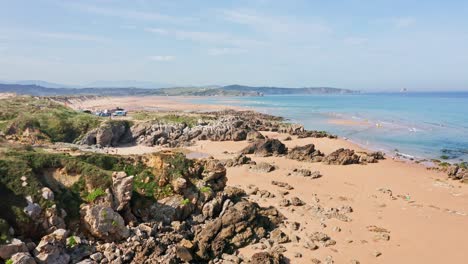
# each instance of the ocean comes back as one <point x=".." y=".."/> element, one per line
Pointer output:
<point x="417" y="125"/>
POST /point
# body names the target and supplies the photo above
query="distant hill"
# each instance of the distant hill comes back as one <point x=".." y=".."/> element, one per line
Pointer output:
<point x="39" y="83"/>
<point x="231" y="90"/>
<point x="126" y="84"/>
<point x="280" y="90"/>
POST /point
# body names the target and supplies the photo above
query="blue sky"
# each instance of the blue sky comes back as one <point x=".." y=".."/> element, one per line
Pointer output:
<point x="366" y="45"/>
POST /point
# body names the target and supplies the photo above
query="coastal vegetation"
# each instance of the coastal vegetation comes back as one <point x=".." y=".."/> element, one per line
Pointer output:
<point x="46" y="119"/>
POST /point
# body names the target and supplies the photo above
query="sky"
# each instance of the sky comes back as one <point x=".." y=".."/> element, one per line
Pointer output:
<point x="373" y="45"/>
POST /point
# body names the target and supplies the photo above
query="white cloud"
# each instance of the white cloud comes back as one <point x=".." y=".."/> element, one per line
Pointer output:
<point x="216" y="38"/>
<point x="225" y="51"/>
<point x="127" y="13"/>
<point x="276" y="25"/>
<point x="161" y="58"/>
<point x="70" y="36"/>
<point x="10" y="33"/>
<point x="404" y="22"/>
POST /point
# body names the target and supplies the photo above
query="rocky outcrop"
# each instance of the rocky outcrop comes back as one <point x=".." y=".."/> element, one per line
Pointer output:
<point x="254" y="135"/>
<point x="110" y="133"/>
<point x="342" y="157"/>
<point x="103" y="223"/>
<point x="51" y="249"/>
<point x="8" y="250"/>
<point x="238" y="225"/>
<point x="122" y="188"/>
<point x="263" y="167"/>
<point x="457" y="173"/>
<point x="372" y="157"/>
<point x="305" y="153"/>
<point x="265" y="148"/>
<point x="22" y="258"/>
<point x="239" y="160"/>
<point x="347" y="156"/>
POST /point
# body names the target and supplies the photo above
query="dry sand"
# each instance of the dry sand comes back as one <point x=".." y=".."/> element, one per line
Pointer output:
<point x="149" y="103"/>
<point x="427" y="221"/>
<point x="427" y="216"/>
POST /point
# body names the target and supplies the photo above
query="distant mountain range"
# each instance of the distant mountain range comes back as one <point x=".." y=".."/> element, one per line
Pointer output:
<point x="95" y="84"/>
<point x="230" y="90"/>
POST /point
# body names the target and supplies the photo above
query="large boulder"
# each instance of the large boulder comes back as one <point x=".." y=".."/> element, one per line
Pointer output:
<point x="103" y="223"/>
<point x="170" y="209"/>
<point x="341" y="157"/>
<point x="305" y="153"/>
<point x="22" y="258"/>
<point x="254" y="135"/>
<point x="122" y="188"/>
<point x="267" y="258"/>
<point x="8" y="250"/>
<point x="110" y="133"/>
<point x="238" y="225"/>
<point x="214" y="174"/>
<point x="51" y="249"/>
<point x="265" y="148"/>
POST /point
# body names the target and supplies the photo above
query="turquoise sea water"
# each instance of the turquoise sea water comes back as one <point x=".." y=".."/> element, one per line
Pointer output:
<point x="421" y="125"/>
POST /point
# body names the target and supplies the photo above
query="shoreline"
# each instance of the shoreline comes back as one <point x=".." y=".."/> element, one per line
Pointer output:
<point x="183" y="104"/>
<point x="417" y="207"/>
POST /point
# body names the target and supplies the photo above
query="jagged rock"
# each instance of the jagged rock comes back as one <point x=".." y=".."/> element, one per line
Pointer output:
<point x="22" y="258"/>
<point x="238" y="160"/>
<point x="265" y="148"/>
<point x="240" y="224"/>
<point x="122" y="188"/>
<point x="263" y="167"/>
<point x="47" y="194"/>
<point x="372" y="157"/>
<point x="239" y="135"/>
<point x="110" y="133"/>
<point x="53" y="219"/>
<point x="16" y="246"/>
<point x="51" y="249"/>
<point x="319" y="237"/>
<point x="212" y="208"/>
<point x="266" y="258"/>
<point x="103" y="223"/>
<point x="33" y="210"/>
<point x="254" y="135"/>
<point x="179" y="185"/>
<point x="172" y="208"/>
<point x="214" y="174"/>
<point x="279" y="236"/>
<point x="305" y="153"/>
<point x="282" y="185"/>
<point x="342" y="157"/>
<point x="456" y="173"/>
<point x="295" y="201"/>
<point x="183" y="254"/>
<point x="233" y="193"/>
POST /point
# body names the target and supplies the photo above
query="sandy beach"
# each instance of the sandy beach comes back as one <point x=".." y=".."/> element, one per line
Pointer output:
<point x="423" y="213"/>
<point x="148" y="103"/>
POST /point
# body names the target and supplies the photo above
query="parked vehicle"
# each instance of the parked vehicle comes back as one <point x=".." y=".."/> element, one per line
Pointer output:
<point x="120" y="113"/>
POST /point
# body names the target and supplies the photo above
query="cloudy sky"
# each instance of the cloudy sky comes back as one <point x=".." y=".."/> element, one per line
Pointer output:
<point x="367" y="45"/>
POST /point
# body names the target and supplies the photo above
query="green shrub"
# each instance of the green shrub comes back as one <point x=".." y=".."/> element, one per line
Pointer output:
<point x="185" y="202"/>
<point x="71" y="242"/>
<point x="9" y="261"/>
<point x="95" y="194"/>
<point x="205" y="189"/>
<point x="444" y="157"/>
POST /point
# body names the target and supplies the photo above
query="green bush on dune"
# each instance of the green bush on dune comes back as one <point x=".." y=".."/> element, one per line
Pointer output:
<point x="56" y="122"/>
